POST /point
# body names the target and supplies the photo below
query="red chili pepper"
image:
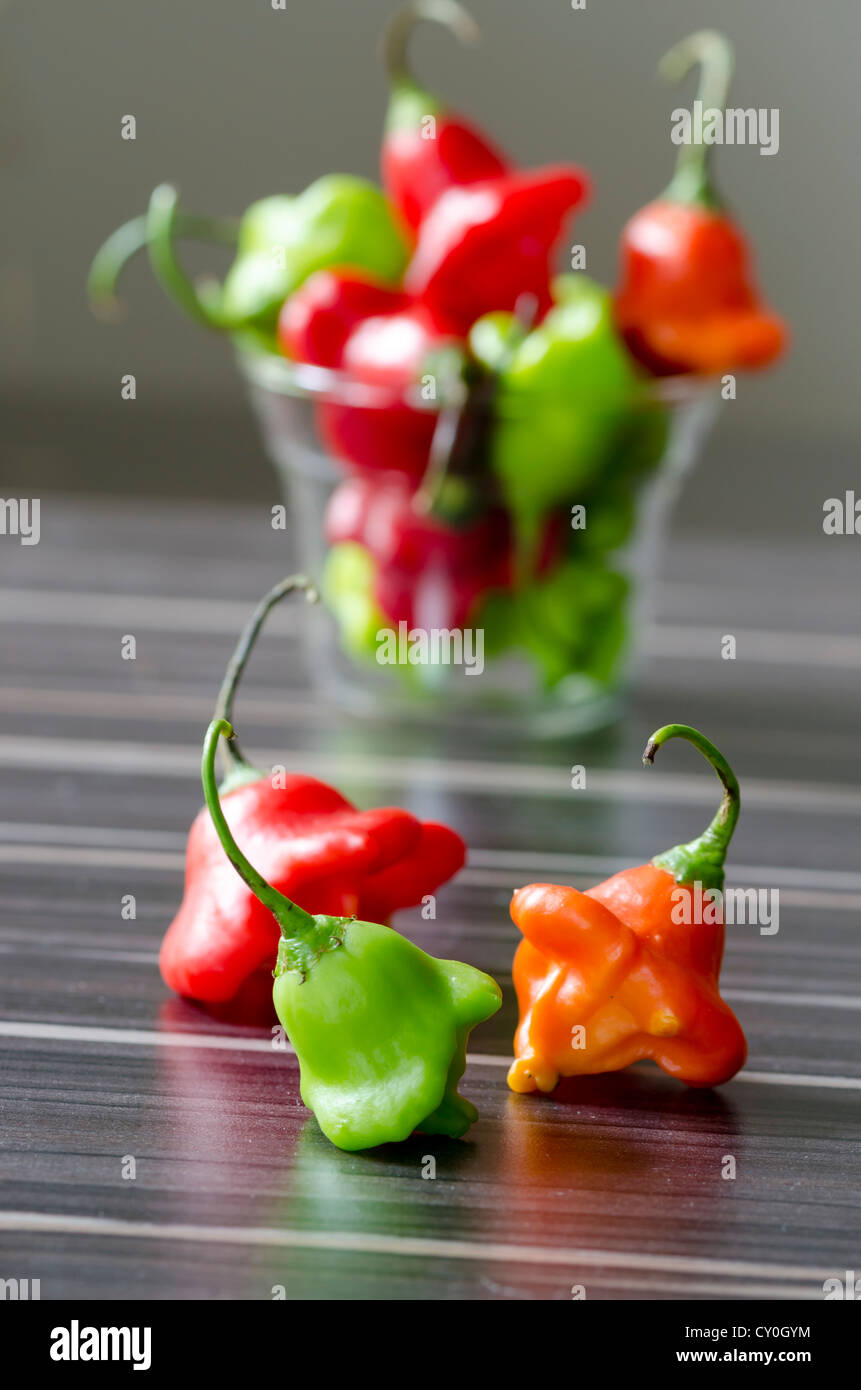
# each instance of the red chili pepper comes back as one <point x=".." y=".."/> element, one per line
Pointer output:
<point x="686" y="301"/>
<point x="318" y="318"/>
<point x="385" y="354"/>
<point x="429" y="573"/>
<point x="426" y="148"/>
<point x="309" y="842"/>
<point x="485" y="246"/>
<point x="388" y="351"/>
<point x="625" y="971"/>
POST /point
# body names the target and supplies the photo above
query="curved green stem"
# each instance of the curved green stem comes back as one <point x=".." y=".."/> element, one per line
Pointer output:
<point x="131" y="238"/>
<point x="397" y="33"/>
<point x="714" y="54"/>
<point x="162" y="227"/>
<point x="242" y="651"/>
<point x="298" y="928"/>
<point x="702" y="859"/>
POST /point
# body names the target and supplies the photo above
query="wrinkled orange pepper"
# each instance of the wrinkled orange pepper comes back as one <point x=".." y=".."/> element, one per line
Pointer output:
<point x="615" y="975"/>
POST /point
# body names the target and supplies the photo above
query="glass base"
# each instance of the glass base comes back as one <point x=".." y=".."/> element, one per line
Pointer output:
<point x="577" y="705"/>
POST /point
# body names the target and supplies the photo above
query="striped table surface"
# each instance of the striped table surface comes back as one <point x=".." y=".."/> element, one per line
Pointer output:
<point x="151" y="1149"/>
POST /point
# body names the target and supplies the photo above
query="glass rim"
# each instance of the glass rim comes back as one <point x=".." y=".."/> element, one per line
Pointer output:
<point x="306" y="381"/>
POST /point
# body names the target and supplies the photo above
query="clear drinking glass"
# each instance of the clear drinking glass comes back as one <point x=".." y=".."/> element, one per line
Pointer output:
<point x="584" y="688"/>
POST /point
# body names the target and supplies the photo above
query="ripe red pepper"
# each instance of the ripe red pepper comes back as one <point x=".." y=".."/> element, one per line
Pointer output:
<point x="686" y="300"/>
<point x="485" y="246"/>
<point x="379" y="337"/>
<point x="308" y="841"/>
<point x="429" y="573"/>
<point x="318" y="318"/>
<point x="622" y="972"/>
<point x="385" y="354"/>
<point x="426" y="148"/>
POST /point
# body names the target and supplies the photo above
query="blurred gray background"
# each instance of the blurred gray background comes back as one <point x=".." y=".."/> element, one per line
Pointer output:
<point x="234" y="100"/>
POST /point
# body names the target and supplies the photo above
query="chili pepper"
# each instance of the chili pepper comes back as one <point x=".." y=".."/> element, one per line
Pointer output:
<point x="615" y="975"/>
<point x="377" y="438"/>
<point x="686" y="301"/>
<point x="569" y="618"/>
<point x="366" y="599"/>
<point x="318" y="318"/>
<point x="484" y="245"/>
<point x="310" y="841"/>
<point x="425" y="570"/>
<point x="573" y="619"/>
<point x="379" y="1027"/>
<point x="427" y="148"/>
<point x="338" y="221"/>
<point x="349" y="578"/>
<point x="563" y="395"/>
<point x="386" y="354"/>
<point x="369" y="601"/>
<point x="428" y="573"/>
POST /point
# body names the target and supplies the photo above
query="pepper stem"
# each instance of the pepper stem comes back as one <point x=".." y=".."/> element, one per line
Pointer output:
<point x="398" y="31"/>
<point x="701" y="860"/>
<point x="162" y="225"/>
<point x="131" y="238"/>
<point x="241" y="653"/>
<point x="298" y="928"/>
<point x="713" y="51"/>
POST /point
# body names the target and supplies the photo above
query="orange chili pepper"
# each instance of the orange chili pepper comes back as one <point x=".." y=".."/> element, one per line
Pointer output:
<point x="621" y="972"/>
<point x="687" y="301"/>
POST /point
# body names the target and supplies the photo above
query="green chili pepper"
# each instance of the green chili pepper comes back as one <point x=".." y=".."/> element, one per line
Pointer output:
<point x="571" y="621"/>
<point x="379" y="1027"/>
<point x="339" y="220"/>
<point x="348" y="579"/>
<point x="610" y="518"/>
<point x="643" y="442"/>
<point x="563" y="395"/>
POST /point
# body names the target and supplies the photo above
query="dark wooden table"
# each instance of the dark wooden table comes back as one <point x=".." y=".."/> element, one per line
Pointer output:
<point x="614" y="1183"/>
